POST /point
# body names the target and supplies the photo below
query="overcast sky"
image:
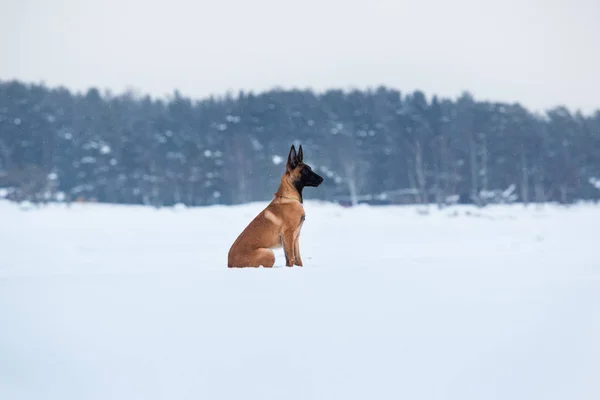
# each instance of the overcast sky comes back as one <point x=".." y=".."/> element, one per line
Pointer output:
<point x="538" y="52"/>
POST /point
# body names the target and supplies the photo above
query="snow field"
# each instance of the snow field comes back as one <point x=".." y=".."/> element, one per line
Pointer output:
<point x="119" y="302"/>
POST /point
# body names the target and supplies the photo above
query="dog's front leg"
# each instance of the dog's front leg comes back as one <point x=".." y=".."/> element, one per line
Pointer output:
<point x="288" y="248"/>
<point x="297" y="251"/>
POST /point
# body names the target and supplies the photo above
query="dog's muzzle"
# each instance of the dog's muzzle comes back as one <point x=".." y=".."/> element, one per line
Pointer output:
<point x="316" y="180"/>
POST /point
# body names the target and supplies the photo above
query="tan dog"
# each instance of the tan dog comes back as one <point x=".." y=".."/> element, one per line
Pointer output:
<point x="279" y="224"/>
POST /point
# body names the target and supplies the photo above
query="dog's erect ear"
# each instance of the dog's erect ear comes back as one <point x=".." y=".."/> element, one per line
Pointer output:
<point x="300" y="154"/>
<point x="292" y="158"/>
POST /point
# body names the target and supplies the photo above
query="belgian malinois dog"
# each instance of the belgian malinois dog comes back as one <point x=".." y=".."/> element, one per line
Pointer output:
<point x="279" y="224"/>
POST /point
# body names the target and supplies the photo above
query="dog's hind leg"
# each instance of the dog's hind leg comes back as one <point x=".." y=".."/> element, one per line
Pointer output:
<point x="253" y="259"/>
<point x="264" y="257"/>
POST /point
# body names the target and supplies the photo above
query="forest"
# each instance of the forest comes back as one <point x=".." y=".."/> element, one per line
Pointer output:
<point x="378" y="146"/>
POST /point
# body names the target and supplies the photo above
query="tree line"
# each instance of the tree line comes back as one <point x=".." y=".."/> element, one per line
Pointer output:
<point x="379" y="146"/>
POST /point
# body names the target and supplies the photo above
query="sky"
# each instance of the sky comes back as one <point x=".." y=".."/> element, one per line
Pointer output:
<point x="541" y="53"/>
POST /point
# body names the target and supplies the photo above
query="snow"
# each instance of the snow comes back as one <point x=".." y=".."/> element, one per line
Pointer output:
<point x="131" y="302"/>
<point x="105" y="149"/>
<point x="88" y="160"/>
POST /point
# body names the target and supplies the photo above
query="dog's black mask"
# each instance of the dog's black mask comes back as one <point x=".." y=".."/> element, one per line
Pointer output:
<point x="303" y="174"/>
<point x="309" y="178"/>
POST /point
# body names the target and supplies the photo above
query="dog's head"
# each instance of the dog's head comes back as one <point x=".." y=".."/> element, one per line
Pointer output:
<point x="301" y="174"/>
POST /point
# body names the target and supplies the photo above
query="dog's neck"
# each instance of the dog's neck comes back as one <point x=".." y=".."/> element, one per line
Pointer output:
<point x="288" y="190"/>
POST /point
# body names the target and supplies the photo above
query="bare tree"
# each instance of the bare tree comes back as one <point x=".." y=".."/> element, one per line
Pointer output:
<point x="416" y="172"/>
<point x="239" y="168"/>
<point x="524" y="177"/>
<point x="354" y="168"/>
<point x="484" y="161"/>
<point x="5" y="157"/>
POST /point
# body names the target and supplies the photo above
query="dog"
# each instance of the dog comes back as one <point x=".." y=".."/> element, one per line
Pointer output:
<point x="279" y="224"/>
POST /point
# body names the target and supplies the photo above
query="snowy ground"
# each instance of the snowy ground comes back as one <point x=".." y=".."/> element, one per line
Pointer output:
<point x="116" y="302"/>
